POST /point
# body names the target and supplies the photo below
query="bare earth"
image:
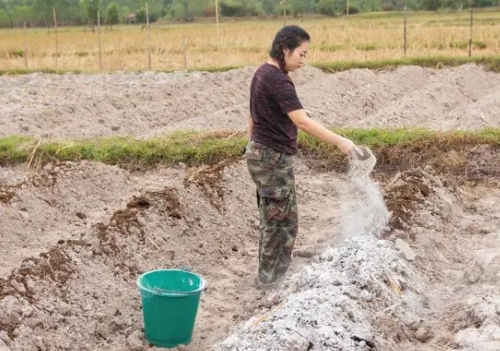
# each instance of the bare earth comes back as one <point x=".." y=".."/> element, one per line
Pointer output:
<point x="76" y="235"/>
<point x="154" y="104"/>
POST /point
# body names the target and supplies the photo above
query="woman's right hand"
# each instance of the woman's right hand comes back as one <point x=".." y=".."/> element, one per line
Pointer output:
<point x="346" y="146"/>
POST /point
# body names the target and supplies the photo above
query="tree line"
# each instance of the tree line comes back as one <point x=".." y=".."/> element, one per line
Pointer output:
<point x="15" y="13"/>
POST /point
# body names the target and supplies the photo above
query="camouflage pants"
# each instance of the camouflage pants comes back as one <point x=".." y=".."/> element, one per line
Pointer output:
<point x="272" y="172"/>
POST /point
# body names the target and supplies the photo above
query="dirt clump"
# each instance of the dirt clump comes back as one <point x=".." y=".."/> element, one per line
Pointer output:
<point x="208" y="180"/>
<point x="108" y="243"/>
<point x="403" y="194"/>
<point x="46" y="178"/>
<point x="484" y="162"/>
<point x="165" y="201"/>
<point x="6" y="195"/>
<point x="55" y="265"/>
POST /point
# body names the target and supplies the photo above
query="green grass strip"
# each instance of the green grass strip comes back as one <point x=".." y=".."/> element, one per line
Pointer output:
<point x="21" y="71"/>
<point x="390" y="137"/>
<point x="491" y="62"/>
<point x="191" y="148"/>
<point x="384" y="138"/>
<point x="195" y="148"/>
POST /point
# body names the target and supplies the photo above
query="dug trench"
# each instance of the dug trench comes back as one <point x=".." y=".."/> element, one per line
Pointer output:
<point x="76" y="235"/>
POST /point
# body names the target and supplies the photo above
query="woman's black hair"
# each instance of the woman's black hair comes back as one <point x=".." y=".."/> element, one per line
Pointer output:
<point x="289" y="37"/>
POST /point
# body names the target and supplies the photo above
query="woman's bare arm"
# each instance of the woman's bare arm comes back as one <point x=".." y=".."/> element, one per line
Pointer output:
<point x="300" y="119"/>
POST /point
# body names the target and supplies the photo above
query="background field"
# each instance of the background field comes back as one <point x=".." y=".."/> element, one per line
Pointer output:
<point x="369" y="36"/>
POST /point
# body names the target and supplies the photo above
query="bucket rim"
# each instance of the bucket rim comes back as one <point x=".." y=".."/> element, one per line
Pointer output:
<point x="203" y="284"/>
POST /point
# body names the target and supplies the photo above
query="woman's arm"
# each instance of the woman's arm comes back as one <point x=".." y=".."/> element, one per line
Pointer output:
<point x="300" y="119"/>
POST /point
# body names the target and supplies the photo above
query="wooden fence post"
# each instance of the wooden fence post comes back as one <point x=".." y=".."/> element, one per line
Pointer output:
<point x="405" y="40"/>
<point x="148" y="38"/>
<point x="25" y="47"/>
<point x="55" y="30"/>
<point x="99" y="38"/>
<point x="282" y="3"/>
<point x="217" y="19"/>
<point x="471" y="26"/>
<point x="185" y="54"/>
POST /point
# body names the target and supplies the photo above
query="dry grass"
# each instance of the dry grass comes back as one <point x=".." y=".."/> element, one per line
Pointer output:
<point x="374" y="36"/>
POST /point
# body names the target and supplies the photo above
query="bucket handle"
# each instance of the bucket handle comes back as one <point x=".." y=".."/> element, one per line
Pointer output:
<point x="205" y="284"/>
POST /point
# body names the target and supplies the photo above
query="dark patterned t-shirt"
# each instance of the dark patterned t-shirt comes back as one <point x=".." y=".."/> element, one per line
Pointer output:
<point x="272" y="96"/>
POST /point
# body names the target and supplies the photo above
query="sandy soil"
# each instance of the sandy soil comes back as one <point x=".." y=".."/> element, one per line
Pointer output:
<point x="155" y="104"/>
<point x="95" y="239"/>
<point x="76" y="235"/>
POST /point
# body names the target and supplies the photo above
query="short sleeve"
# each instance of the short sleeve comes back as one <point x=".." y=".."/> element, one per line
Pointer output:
<point x="286" y="96"/>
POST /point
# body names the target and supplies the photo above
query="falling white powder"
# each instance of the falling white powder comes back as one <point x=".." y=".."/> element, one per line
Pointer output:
<point x="323" y="307"/>
<point x="369" y="214"/>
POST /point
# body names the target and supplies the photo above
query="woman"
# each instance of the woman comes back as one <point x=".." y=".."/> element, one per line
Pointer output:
<point x="276" y="114"/>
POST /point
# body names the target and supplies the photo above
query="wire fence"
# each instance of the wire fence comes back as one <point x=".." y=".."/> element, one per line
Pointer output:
<point x="184" y="45"/>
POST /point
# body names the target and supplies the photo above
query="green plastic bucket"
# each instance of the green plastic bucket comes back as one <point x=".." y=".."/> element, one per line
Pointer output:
<point x="170" y="299"/>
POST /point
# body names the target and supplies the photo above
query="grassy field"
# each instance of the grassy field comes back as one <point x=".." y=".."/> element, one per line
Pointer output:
<point x="372" y="36"/>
